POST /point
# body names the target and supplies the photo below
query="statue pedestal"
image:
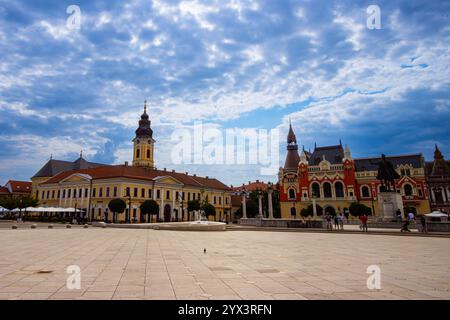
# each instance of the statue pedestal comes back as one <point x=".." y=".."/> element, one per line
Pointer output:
<point x="389" y="202"/>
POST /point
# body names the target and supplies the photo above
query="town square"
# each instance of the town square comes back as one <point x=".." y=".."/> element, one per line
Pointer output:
<point x="264" y="152"/>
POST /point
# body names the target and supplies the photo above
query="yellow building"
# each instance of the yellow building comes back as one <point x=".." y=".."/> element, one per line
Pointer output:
<point x="90" y="186"/>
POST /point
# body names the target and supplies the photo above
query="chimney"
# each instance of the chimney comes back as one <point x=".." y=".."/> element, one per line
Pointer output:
<point x="257" y="180"/>
<point x="126" y="163"/>
<point x="173" y="171"/>
<point x="187" y="173"/>
<point x="165" y="169"/>
<point x="207" y="177"/>
<point x="194" y="175"/>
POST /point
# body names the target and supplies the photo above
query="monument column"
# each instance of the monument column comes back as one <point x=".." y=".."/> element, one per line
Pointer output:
<point x="244" y="207"/>
<point x="269" y="191"/>
<point x="260" y="204"/>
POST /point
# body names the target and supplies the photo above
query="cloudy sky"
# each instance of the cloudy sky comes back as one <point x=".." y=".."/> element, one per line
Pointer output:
<point x="230" y="64"/>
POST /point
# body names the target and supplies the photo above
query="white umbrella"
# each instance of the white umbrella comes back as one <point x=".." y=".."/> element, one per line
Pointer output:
<point x="15" y="210"/>
<point x="436" y="214"/>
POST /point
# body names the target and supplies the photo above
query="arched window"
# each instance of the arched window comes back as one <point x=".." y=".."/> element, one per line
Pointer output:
<point x="339" y="189"/>
<point x="408" y="190"/>
<point x="292" y="194"/>
<point x="315" y="190"/>
<point x="327" y="190"/>
<point x="138" y="153"/>
<point x="148" y="154"/>
<point x="365" y="192"/>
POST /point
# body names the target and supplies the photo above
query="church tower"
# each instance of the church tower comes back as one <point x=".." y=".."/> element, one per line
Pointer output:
<point x="143" y="143"/>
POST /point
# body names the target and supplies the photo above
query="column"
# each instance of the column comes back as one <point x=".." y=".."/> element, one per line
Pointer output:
<point x="260" y="205"/>
<point x="173" y="203"/>
<point x="65" y="198"/>
<point x="161" y="210"/>
<point x="444" y="197"/>
<point x="270" y="203"/>
<point x="82" y="198"/>
<point x="244" y="206"/>
<point x="314" y="208"/>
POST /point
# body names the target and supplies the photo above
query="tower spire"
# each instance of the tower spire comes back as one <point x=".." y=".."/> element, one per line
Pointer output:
<point x="145" y="106"/>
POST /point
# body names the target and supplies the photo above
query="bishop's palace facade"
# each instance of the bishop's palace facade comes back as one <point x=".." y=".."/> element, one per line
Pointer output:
<point x="335" y="179"/>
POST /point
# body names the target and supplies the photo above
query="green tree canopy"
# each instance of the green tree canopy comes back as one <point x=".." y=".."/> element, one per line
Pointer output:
<point x="117" y="205"/>
<point x="193" y="205"/>
<point x="309" y="211"/>
<point x="209" y="209"/>
<point x="357" y="209"/>
<point x="21" y="203"/>
<point x="149" y="207"/>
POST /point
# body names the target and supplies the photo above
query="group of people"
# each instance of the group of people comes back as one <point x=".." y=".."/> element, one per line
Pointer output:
<point x="338" y="221"/>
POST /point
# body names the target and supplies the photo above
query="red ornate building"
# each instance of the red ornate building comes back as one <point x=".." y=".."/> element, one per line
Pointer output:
<point x="438" y="181"/>
<point x="335" y="179"/>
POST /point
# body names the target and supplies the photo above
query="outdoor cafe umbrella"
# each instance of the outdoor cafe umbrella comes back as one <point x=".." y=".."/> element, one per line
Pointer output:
<point x="436" y="214"/>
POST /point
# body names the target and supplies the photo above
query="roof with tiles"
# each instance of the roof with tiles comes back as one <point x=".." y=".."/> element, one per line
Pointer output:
<point x="53" y="167"/>
<point x="333" y="154"/>
<point x="139" y="173"/>
<point x="369" y="164"/>
<point x="15" y="186"/>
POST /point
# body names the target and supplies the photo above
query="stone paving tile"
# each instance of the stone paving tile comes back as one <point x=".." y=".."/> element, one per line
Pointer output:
<point x="152" y="264"/>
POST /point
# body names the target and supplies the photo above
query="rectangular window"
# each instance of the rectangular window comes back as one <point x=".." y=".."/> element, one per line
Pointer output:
<point x="59" y="193"/>
<point x="189" y="196"/>
<point x="53" y="194"/>
<point x="143" y="193"/>
<point x="214" y="200"/>
<point x="193" y="196"/>
<point x="158" y="194"/>
<point x="100" y="192"/>
<point x="419" y="191"/>
<point x="127" y="191"/>
<point x="168" y="194"/>
<point x="43" y="195"/>
<point x="48" y="194"/>
<point x="115" y="191"/>
<point x="64" y="193"/>
<point x="135" y="192"/>
<point x="86" y="192"/>
<point x="69" y="193"/>
<point x="150" y="193"/>
<point x="74" y="193"/>
<point x="107" y="191"/>
<point x="177" y="195"/>
<point x="94" y="191"/>
<point x="220" y="200"/>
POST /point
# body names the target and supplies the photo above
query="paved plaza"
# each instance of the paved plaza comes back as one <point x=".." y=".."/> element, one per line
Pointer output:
<point x="157" y="264"/>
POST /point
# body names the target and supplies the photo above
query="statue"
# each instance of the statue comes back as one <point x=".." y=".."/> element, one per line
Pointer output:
<point x="386" y="173"/>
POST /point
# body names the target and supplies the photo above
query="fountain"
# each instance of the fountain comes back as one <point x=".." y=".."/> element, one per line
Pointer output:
<point x="201" y="224"/>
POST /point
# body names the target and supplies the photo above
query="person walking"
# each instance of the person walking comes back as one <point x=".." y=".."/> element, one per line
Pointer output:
<point x="336" y="222"/>
<point x="341" y="221"/>
<point x="423" y="223"/>
<point x="364" y="219"/>
<point x="328" y="221"/>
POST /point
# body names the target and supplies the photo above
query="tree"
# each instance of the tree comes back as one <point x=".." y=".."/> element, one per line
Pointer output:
<point x="149" y="207"/>
<point x="309" y="211"/>
<point x="209" y="210"/>
<point x="116" y="206"/>
<point x="251" y="207"/>
<point x="192" y="205"/>
<point x="357" y="209"/>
